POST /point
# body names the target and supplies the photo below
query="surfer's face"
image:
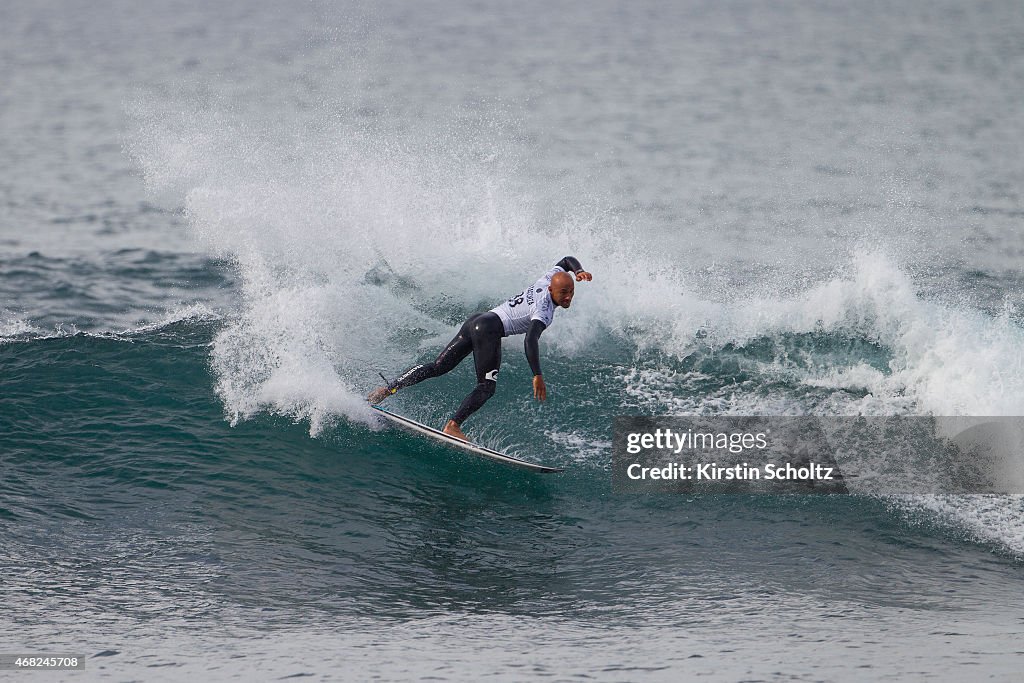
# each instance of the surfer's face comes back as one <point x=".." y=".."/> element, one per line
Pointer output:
<point x="562" y="289"/>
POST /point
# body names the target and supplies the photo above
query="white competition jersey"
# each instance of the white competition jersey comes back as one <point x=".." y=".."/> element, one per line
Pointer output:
<point x="533" y="303"/>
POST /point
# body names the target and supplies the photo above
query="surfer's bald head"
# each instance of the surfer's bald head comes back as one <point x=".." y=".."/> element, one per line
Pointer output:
<point x="562" y="288"/>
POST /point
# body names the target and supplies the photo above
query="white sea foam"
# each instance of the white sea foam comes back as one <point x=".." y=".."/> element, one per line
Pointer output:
<point x="197" y="312"/>
<point x="989" y="518"/>
<point x="13" y="326"/>
<point x="580" y="447"/>
<point x="943" y="360"/>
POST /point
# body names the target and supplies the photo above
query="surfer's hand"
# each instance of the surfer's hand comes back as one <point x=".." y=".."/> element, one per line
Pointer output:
<point x="584" y="275"/>
<point x="540" y="392"/>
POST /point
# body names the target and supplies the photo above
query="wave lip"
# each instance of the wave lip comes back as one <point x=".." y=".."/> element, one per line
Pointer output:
<point x="15" y="328"/>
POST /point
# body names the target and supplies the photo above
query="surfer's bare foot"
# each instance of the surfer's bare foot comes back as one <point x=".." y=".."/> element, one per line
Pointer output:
<point x="378" y="395"/>
<point x="452" y="429"/>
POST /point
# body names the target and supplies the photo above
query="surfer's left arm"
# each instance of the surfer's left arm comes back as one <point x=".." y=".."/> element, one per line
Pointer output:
<point x="532" y="344"/>
<point x="571" y="265"/>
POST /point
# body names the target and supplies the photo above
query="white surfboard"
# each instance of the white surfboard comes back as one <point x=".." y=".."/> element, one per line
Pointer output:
<point x="438" y="435"/>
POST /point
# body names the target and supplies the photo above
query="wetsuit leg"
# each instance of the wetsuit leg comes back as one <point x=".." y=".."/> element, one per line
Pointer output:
<point x="457" y="349"/>
<point x="486" y="334"/>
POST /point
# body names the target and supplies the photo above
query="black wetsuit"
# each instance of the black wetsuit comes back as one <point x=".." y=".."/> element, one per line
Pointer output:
<point x="481" y="334"/>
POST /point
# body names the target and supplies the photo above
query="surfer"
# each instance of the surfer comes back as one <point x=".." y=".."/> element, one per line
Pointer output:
<point x="530" y="311"/>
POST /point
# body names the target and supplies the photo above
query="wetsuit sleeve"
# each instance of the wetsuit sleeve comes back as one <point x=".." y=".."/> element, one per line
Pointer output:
<point x="570" y="265"/>
<point x="532" y="346"/>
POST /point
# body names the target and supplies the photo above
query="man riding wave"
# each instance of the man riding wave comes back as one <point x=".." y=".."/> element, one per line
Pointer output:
<point x="529" y="312"/>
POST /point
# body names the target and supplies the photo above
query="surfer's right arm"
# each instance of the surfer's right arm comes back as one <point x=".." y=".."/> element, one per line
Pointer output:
<point x="532" y="345"/>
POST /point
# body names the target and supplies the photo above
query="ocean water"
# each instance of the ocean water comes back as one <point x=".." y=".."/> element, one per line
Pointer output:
<point x="219" y="223"/>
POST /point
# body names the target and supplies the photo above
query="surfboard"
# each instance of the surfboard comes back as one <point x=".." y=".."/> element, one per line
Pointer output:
<point x="475" y="449"/>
